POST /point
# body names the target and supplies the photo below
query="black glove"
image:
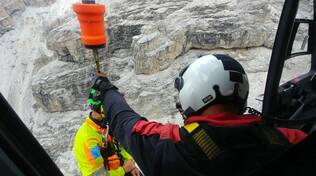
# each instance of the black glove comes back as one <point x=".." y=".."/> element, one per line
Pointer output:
<point x="103" y="84"/>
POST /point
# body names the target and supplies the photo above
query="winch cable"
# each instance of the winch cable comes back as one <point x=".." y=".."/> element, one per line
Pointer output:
<point x="97" y="59"/>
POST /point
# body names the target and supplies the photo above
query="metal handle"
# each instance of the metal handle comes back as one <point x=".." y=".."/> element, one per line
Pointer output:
<point x="97" y="59"/>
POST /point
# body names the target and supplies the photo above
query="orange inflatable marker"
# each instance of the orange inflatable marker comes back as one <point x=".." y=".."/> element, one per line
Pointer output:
<point x="91" y="19"/>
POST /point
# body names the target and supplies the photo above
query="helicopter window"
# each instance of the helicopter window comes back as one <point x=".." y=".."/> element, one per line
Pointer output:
<point x="295" y="67"/>
<point x="305" y="10"/>
<point x="300" y="43"/>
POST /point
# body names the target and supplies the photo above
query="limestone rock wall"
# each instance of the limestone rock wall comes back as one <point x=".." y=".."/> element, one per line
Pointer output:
<point x="38" y="3"/>
<point x="156" y="33"/>
<point x="202" y="25"/>
<point x="160" y="31"/>
<point x="13" y="8"/>
<point x="8" y="9"/>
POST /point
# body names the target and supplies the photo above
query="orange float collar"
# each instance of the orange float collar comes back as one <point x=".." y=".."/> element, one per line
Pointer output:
<point x="91" y="19"/>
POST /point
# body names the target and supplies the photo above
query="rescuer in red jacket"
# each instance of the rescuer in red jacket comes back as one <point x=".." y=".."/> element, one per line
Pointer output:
<point x="217" y="139"/>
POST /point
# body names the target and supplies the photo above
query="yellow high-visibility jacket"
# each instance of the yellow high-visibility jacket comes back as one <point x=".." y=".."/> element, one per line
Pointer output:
<point x="87" y="144"/>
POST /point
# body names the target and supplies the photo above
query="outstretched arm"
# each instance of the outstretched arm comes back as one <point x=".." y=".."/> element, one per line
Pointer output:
<point x="143" y="139"/>
<point x="121" y="117"/>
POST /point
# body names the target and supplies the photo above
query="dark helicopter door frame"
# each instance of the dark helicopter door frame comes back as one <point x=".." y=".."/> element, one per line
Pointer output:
<point x="274" y="94"/>
<point x="313" y="40"/>
<point x="20" y="153"/>
<point x="301" y="158"/>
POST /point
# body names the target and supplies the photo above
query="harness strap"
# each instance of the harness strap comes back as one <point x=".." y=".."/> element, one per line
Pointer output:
<point x="206" y="144"/>
<point x="244" y="147"/>
<point x="200" y="137"/>
<point x="112" y="155"/>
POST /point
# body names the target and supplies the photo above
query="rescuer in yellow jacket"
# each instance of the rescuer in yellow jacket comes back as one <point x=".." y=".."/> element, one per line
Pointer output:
<point x="97" y="153"/>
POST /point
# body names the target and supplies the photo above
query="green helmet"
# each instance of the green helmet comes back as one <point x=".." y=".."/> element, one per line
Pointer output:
<point x="94" y="100"/>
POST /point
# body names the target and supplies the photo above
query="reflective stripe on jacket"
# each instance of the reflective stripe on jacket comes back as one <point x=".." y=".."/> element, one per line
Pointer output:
<point x="87" y="143"/>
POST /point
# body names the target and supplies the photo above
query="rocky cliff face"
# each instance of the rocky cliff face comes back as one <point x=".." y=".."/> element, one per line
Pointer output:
<point x="149" y="42"/>
<point x="38" y="3"/>
<point x="7" y="10"/>
<point x="13" y="8"/>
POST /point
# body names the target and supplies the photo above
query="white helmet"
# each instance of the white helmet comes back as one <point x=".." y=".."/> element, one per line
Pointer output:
<point x="211" y="79"/>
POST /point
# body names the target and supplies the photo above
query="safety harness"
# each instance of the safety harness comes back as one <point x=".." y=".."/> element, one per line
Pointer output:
<point x="112" y="155"/>
<point x="237" y="150"/>
<point x="110" y="149"/>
